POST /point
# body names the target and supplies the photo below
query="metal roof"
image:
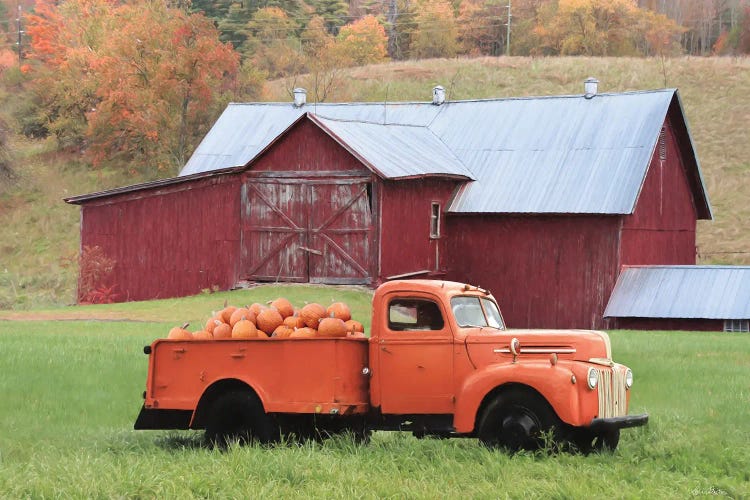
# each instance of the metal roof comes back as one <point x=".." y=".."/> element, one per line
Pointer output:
<point x="396" y="151"/>
<point x="684" y="292"/>
<point x="557" y="154"/>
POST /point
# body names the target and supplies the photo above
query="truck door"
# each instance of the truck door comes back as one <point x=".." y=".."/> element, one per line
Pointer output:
<point x="415" y="354"/>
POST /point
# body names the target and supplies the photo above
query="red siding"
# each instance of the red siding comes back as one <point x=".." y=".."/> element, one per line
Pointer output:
<point x="545" y="271"/>
<point x="406" y="246"/>
<point x="705" y="325"/>
<point x="168" y="242"/>
<point x="662" y="228"/>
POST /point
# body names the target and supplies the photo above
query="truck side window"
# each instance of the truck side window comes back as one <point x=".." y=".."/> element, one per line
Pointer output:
<point x="414" y="314"/>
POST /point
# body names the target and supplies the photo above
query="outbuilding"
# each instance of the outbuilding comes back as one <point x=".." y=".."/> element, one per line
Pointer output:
<point x="713" y="298"/>
<point x="542" y="200"/>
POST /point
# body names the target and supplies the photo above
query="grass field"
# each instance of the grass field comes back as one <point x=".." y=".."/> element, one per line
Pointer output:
<point x="71" y="392"/>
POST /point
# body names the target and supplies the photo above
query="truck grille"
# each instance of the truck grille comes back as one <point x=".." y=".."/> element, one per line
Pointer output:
<point x="612" y="397"/>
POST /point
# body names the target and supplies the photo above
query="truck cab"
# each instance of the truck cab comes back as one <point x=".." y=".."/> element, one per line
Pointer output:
<point x="439" y="361"/>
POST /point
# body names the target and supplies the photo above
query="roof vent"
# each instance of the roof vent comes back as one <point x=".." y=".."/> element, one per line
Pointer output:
<point x="300" y="97"/>
<point x="438" y="95"/>
<point x="590" y="87"/>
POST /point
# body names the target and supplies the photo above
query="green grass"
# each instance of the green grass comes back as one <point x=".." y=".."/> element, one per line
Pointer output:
<point x="71" y="392"/>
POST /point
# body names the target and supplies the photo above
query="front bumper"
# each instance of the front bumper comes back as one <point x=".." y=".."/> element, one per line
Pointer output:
<point x="614" y="423"/>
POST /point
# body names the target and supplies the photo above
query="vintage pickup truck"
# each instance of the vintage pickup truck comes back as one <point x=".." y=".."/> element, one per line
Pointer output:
<point x="439" y="361"/>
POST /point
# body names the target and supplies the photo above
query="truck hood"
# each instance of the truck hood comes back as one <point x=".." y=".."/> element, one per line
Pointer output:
<point x="486" y="346"/>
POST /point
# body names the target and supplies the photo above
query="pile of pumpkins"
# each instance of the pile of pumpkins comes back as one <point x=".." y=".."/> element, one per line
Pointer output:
<point x="279" y="319"/>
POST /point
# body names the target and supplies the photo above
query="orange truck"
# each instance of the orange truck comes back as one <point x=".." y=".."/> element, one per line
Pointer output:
<point x="438" y="362"/>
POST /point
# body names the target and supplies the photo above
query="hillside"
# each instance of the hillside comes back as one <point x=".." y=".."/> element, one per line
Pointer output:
<point x="39" y="233"/>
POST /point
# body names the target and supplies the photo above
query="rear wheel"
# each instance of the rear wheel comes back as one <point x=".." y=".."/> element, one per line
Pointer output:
<point x="517" y="419"/>
<point x="238" y="416"/>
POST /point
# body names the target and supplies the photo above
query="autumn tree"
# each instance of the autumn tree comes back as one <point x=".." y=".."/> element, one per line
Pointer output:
<point x="131" y="83"/>
<point x="482" y="27"/>
<point x="436" y="30"/>
<point x="362" y="42"/>
<point x="272" y="44"/>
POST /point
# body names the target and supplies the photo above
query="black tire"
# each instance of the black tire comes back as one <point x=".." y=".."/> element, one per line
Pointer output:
<point x="587" y="442"/>
<point x="238" y="416"/>
<point x="517" y="419"/>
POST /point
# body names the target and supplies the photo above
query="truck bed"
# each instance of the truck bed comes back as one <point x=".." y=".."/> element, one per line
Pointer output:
<point x="307" y="375"/>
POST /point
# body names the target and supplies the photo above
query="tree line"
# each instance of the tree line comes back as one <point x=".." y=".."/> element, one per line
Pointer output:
<point x="139" y="82"/>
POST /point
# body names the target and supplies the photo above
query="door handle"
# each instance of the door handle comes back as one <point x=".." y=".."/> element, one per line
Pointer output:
<point x="385" y="349"/>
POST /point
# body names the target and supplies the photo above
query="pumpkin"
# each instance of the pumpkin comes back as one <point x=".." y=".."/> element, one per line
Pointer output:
<point x="262" y="334"/>
<point x="282" y="332"/>
<point x="339" y="310"/>
<point x="294" y="322"/>
<point x="332" y="327"/>
<point x="311" y="314"/>
<point x="268" y="320"/>
<point x="202" y="335"/>
<point x="354" y="326"/>
<point x="222" y="330"/>
<point x="359" y="335"/>
<point x="303" y="333"/>
<point x="256" y="308"/>
<point x="241" y="313"/>
<point x="211" y="323"/>
<point x="226" y="313"/>
<point x="244" y="329"/>
<point x="180" y="333"/>
<point x="284" y="307"/>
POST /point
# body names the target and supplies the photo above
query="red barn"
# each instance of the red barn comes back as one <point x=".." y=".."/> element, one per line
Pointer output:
<point x="542" y="200"/>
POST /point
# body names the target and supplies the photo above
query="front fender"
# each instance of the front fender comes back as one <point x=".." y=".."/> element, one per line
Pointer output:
<point x="570" y="400"/>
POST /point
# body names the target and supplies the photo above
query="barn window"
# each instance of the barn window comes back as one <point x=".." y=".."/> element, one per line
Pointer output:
<point x="435" y="221"/>
<point x="736" y="325"/>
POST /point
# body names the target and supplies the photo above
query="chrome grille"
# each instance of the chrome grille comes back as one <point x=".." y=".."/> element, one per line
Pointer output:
<point x="612" y="397"/>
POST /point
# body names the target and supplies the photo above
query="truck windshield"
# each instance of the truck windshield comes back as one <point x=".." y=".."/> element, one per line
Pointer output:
<point x="473" y="311"/>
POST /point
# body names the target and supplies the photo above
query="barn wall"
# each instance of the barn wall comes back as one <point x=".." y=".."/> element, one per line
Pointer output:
<point x="168" y="242"/>
<point x="704" y="325"/>
<point x="545" y="271"/>
<point x="406" y="246"/>
<point x="662" y="228"/>
<point x="306" y="148"/>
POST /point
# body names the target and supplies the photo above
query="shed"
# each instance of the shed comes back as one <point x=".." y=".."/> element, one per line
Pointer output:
<point x="682" y="298"/>
<point x="540" y="199"/>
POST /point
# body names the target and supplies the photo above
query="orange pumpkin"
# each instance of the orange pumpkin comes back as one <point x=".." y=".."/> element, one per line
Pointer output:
<point x="294" y="322"/>
<point x="226" y="313"/>
<point x="269" y="320"/>
<point x="354" y="326"/>
<point x="211" y="323"/>
<point x="262" y="334"/>
<point x="282" y="332"/>
<point x="241" y="313"/>
<point x="180" y="333"/>
<point x="339" y="310"/>
<point x="257" y="308"/>
<point x="284" y="307"/>
<point x="359" y="335"/>
<point x="202" y="335"/>
<point x="222" y="330"/>
<point x="244" y="329"/>
<point x="332" y="327"/>
<point x="303" y="333"/>
<point x="311" y="314"/>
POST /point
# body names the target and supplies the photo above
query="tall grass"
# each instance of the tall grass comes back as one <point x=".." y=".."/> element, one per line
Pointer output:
<point x="71" y="392"/>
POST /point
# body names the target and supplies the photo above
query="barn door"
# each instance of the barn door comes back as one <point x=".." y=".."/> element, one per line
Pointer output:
<point x="308" y="231"/>
<point x="275" y="231"/>
<point x="340" y="233"/>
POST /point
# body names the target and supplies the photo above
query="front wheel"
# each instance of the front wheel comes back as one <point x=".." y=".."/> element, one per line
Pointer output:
<point x="604" y="441"/>
<point x="238" y="416"/>
<point x="517" y="419"/>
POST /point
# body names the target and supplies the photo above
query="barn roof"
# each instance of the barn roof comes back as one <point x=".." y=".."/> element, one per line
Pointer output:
<point x="681" y="292"/>
<point x="557" y="154"/>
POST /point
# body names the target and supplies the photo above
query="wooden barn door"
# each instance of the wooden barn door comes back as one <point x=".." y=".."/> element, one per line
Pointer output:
<point x="308" y="231"/>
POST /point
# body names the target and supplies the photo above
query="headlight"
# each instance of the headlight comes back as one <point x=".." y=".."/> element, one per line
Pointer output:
<point x="592" y="378"/>
<point x="629" y="379"/>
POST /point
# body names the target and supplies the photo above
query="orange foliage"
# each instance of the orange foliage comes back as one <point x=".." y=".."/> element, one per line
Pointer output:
<point x="363" y="41"/>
